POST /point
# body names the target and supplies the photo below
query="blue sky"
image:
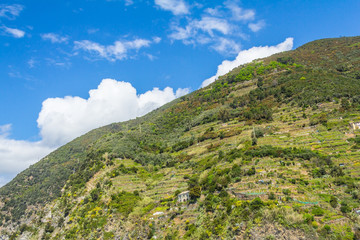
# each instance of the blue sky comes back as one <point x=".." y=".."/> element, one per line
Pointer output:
<point x="66" y="48"/>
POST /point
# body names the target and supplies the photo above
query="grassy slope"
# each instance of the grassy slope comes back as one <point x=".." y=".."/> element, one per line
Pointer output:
<point x="185" y="139"/>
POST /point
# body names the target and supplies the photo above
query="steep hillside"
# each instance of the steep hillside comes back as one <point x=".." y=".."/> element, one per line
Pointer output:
<point x="267" y="151"/>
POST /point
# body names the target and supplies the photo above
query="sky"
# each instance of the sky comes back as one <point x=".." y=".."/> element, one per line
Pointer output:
<point x="67" y="67"/>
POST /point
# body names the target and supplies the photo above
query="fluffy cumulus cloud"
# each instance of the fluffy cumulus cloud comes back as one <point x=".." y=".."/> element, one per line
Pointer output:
<point x="54" y="38"/>
<point x="62" y="119"/>
<point x="16" y="155"/>
<point x="14" y="32"/>
<point x="177" y="7"/>
<point x="220" y="27"/>
<point x="118" y="51"/>
<point x="246" y="56"/>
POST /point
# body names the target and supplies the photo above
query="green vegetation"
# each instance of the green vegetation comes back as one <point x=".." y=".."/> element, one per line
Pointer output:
<point x="267" y="146"/>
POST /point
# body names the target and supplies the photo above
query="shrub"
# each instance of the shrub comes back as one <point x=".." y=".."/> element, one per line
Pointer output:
<point x="256" y="204"/>
<point x="308" y="218"/>
<point x="251" y="171"/>
<point x="285" y="60"/>
<point x="287" y="192"/>
<point x="345" y="208"/>
<point x="333" y="202"/>
<point x="271" y="196"/>
<point x="195" y="193"/>
<point x="317" y="211"/>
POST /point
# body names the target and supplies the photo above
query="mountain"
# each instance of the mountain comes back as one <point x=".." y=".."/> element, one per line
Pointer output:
<point x="268" y="151"/>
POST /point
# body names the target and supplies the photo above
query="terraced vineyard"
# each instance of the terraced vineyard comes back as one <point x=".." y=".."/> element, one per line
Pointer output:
<point x="266" y="152"/>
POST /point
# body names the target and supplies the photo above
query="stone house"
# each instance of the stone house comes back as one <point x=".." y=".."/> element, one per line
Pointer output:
<point x="184" y="196"/>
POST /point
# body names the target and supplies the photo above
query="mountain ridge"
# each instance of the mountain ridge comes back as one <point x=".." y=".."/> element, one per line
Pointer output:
<point x="231" y="120"/>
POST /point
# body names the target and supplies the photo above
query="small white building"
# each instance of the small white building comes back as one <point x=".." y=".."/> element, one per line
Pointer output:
<point x="184" y="196"/>
<point x="355" y="125"/>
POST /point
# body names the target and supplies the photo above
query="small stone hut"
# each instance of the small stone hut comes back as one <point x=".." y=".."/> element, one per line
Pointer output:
<point x="184" y="196"/>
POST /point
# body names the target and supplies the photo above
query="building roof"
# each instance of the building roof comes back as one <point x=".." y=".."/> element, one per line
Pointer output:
<point x="184" y="192"/>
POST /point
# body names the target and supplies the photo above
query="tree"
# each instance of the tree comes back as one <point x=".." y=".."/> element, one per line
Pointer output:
<point x="195" y="193"/>
<point x="336" y="172"/>
<point x="256" y="204"/>
<point x="271" y="196"/>
<point x="345" y="207"/>
<point x="333" y="202"/>
<point x="286" y="60"/>
<point x="345" y="104"/>
<point x="224" y="115"/>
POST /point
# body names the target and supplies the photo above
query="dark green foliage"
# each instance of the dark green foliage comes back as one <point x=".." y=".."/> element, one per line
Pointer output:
<point x="256" y="204"/>
<point x="158" y="139"/>
<point x="182" y="145"/>
<point x="345" y="208"/>
<point x="258" y="113"/>
<point x="336" y="172"/>
<point x="286" y="191"/>
<point x="317" y="211"/>
<point x="259" y="132"/>
<point x="251" y="171"/>
<point x="287" y="153"/>
<point x="333" y="202"/>
<point x="345" y="104"/>
<point x="195" y="193"/>
<point x="253" y="140"/>
<point x="271" y="196"/>
<point x="49" y="228"/>
<point x="217" y="179"/>
<point x="124" y="202"/>
<point x="224" y="115"/>
<point x="308" y="218"/>
<point x="285" y="60"/>
<point x="95" y="194"/>
<point x="236" y="171"/>
<point x="319" y="119"/>
<point x="318" y="172"/>
<point x="122" y="170"/>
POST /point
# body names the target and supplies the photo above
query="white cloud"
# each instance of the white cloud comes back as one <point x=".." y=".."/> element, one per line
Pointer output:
<point x="62" y="119"/>
<point x="207" y="30"/>
<point x="16" y="33"/>
<point x="31" y="63"/>
<point x="246" y="56"/>
<point x="195" y="28"/>
<point x="5" y="130"/>
<point x="255" y="27"/>
<point x="238" y="13"/>
<point x="177" y="7"/>
<point x="10" y="11"/>
<point x="54" y="38"/>
<point x="213" y="12"/>
<point x="225" y="45"/>
<point x="129" y="2"/>
<point x="92" y="30"/>
<point x="181" y="92"/>
<point x="156" y="39"/>
<point x="17" y="155"/>
<point x="218" y="27"/>
<point x="150" y="56"/>
<point x="208" y="24"/>
<point x="118" y="51"/>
